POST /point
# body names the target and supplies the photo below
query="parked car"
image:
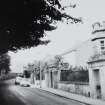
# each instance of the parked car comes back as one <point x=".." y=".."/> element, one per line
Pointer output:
<point x="18" y="79"/>
<point x="25" y="82"/>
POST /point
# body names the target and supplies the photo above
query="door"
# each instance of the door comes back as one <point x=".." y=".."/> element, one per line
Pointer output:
<point x="97" y="83"/>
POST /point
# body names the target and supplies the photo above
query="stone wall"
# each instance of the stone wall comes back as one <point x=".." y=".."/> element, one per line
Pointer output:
<point x="82" y="89"/>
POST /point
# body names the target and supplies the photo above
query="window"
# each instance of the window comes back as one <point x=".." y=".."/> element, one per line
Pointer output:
<point x="102" y="42"/>
<point x="102" y="46"/>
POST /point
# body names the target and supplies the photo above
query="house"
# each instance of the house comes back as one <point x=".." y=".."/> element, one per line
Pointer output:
<point x="91" y="54"/>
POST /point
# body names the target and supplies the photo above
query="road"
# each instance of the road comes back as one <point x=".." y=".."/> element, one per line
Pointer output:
<point x="11" y="94"/>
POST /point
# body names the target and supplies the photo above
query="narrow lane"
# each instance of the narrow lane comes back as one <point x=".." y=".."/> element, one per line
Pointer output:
<point x="7" y="97"/>
<point x="17" y="95"/>
<point x="39" y="97"/>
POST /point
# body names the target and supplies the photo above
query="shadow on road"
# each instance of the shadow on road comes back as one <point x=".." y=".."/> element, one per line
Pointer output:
<point x="6" y="96"/>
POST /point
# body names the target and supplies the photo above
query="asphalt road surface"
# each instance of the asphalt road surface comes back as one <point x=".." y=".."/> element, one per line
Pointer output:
<point x="11" y="94"/>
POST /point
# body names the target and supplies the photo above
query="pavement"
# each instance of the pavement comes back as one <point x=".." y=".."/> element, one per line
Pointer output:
<point x="80" y="98"/>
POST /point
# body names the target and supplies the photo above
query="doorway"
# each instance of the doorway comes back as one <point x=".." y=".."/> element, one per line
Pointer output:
<point x="97" y="85"/>
<point x="51" y="73"/>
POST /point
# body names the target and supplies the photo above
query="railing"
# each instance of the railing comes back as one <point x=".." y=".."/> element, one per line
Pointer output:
<point x="74" y="82"/>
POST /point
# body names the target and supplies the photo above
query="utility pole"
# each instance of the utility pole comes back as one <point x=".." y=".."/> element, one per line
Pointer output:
<point x="40" y="74"/>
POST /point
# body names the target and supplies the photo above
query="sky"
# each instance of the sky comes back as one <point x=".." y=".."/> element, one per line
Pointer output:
<point x="66" y="36"/>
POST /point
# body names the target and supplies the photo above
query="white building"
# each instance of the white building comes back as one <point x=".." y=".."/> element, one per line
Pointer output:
<point x="91" y="54"/>
<point x="79" y="55"/>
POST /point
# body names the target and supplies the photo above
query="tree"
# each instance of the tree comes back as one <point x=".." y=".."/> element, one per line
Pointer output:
<point x="23" y="26"/>
<point x="26" y="73"/>
<point x="4" y="63"/>
<point x="58" y="61"/>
